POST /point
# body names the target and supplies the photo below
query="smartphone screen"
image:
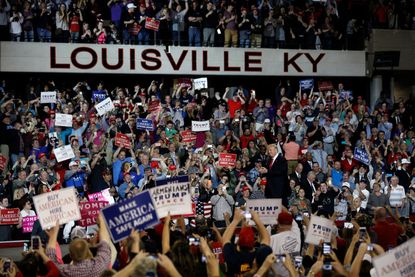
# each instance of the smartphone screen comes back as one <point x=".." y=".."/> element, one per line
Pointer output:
<point x="326" y="248"/>
<point x="35" y="243"/>
<point x="362" y="233"/>
<point x="298" y="261"/>
<point x="7" y="265"/>
<point x="348" y="225"/>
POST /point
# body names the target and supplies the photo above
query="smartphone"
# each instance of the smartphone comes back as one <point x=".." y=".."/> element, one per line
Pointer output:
<point x="193" y="241"/>
<point x="210" y="146"/>
<point x="298" y="261"/>
<point x="362" y="233"/>
<point x="326" y="248"/>
<point x="299" y="217"/>
<point x="236" y="119"/>
<point x="306" y="214"/>
<point x="348" y="225"/>
<point x="7" y="264"/>
<point x="370" y="247"/>
<point x="247" y="215"/>
<point x="222" y="121"/>
<point x="327" y="265"/>
<point x="280" y="258"/>
<point x="35" y="241"/>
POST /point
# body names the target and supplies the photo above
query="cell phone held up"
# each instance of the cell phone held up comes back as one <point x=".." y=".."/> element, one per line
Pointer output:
<point x="35" y="242"/>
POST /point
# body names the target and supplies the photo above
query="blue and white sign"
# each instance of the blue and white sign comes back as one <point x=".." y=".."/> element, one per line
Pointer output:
<point x="361" y="155"/>
<point x="306" y="84"/>
<point x="144" y="124"/>
<point x="99" y="95"/>
<point x="137" y="213"/>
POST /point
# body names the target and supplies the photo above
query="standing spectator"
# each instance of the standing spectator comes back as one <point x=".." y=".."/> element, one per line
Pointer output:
<point x="222" y="204"/>
<point x="28" y="33"/>
<point x="62" y="24"/>
<point x="291" y="149"/>
<point x="276" y="173"/>
<point x="178" y="15"/>
<point x="231" y="32"/>
<point x="387" y="233"/>
<point x="86" y="36"/>
<point x="16" y="20"/>
<point x="397" y="197"/>
<point x="257" y="28"/>
<point x="403" y="174"/>
<point x="280" y="32"/>
<point x="140" y="18"/>
<point x="270" y="23"/>
<point x="363" y="194"/>
<point x="324" y="199"/>
<point x="244" y="26"/>
<point x="129" y="19"/>
<point x="165" y="26"/>
<point x="194" y="18"/>
<point x="376" y="199"/>
<point x="210" y="21"/>
<point x="288" y="237"/>
<point x="100" y="33"/>
<point x="4" y="19"/>
<point x="116" y="9"/>
<point x="75" y="23"/>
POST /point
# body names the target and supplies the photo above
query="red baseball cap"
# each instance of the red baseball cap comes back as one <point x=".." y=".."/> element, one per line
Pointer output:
<point x="154" y="164"/>
<point x="285" y="218"/>
<point x="172" y="167"/>
<point x="245" y="188"/>
<point x="263" y="182"/>
<point x="246" y="237"/>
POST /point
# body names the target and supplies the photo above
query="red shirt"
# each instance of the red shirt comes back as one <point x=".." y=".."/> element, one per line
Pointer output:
<point x="347" y="166"/>
<point x="245" y="140"/>
<point x="387" y="233"/>
<point x="233" y="106"/>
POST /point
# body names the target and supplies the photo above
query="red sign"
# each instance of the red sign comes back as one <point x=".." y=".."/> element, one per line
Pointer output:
<point x="153" y="106"/>
<point x="325" y="85"/>
<point x="188" y="136"/>
<point x="152" y="24"/>
<point x="9" y="216"/>
<point x="3" y="161"/>
<point x="122" y="139"/>
<point x="185" y="82"/>
<point x="90" y="211"/>
<point x="28" y="222"/>
<point x="226" y="159"/>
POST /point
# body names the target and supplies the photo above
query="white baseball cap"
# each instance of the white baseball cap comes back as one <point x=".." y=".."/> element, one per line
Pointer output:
<point x="405" y="161"/>
<point x="131" y="6"/>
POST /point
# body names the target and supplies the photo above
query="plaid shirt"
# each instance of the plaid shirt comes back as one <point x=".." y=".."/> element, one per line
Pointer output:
<point x="87" y="268"/>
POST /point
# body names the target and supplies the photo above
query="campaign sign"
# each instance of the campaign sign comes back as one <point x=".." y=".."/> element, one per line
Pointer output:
<point x="152" y="24"/>
<point x="319" y="229"/>
<point x="64" y="153"/>
<point x="98" y="95"/>
<point x="144" y="124"/>
<point x="102" y="196"/>
<point x="361" y="155"/>
<point x="306" y="84"/>
<point x="104" y="106"/>
<point x="187" y="136"/>
<point x="90" y="212"/>
<point x="398" y="261"/>
<point x="185" y="82"/>
<point x="201" y="83"/>
<point x="226" y="159"/>
<point x="3" y="162"/>
<point x="9" y="216"/>
<point x="64" y="120"/>
<point x="172" y="195"/>
<point x="200" y="126"/>
<point x="59" y="205"/>
<point x="47" y="97"/>
<point x="325" y="85"/>
<point x="122" y="139"/>
<point x="153" y="106"/>
<point x="267" y="209"/>
<point x="28" y="222"/>
<point x="137" y="213"/>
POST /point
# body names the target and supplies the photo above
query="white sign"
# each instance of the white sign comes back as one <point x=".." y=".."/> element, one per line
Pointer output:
<point x="64" y="153"/>
<point x="201" y="83"/>
<point x="173" y="197"/>
<point x="47" y="97"/>
<point x="59" y="205"/>
<point x="267" y="209"/>
<point x="200" y="126"/>
<point x="196" y="61"/>
<point x="64" y="120"/>
<point x="104" y="106"/>
<point x="399" y="261"/>
<point x="319" y="229"/>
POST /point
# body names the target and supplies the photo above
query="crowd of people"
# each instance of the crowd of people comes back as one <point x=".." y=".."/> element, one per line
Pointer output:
<point x="262" y="23"/>
<point x="295" y="145"/>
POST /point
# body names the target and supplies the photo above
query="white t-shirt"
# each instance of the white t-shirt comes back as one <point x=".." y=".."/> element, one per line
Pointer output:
<point x="287" y="242"/>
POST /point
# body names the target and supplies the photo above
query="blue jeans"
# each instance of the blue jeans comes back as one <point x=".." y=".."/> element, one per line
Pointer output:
<point x="16" y="37"/>
<point x="209" y="36"/>
<point x="74" y="36"/>
<point x="44" y="35"/>
<point x="194" y="36"/>
<point x="244" y="38"/>
<point x="28" y="35"/>
<point x="143" y="37"/>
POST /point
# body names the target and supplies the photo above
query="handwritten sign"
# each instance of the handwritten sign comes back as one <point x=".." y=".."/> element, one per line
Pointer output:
<point x="90" y="212"/>
<point x="64" y="120"/>
<point x="200" y="126"/>
<point x="9" y="216"/>
<point x="59" y="205"/>
<point x="153" y="106"/>
<point x="361" y="155"/>
<point x="200" y="83"/>
<point x="137" y="213"/>
<point x="3" y="162"/>
<point x="27" y="223"/>
<point x="398" y="261"/>
<point x="185" y="82"/>
<point x="122" y="139"/>
<point x="64" y="153"/>
<point x="226" y="159"/>
<point x="306" y="84"/>
<point x="144" y="124"/>
<point x="102" y="196"/>
<point x="267" y="209"/>
<point x="47" y="97"/>
<point x="319" y="229"/>
<point x="152" y="24"/>
<point x="325" y="85"/>
<point x="104" y="106"/>
<point x="172" y="195"/>
<point x="187" y="136"/>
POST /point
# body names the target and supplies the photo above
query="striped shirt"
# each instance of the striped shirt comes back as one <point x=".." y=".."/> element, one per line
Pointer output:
<point x="397" y="195"/>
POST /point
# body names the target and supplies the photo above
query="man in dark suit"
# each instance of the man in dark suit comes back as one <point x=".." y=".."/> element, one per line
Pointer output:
<point x="297" y="175"/>
<point x="277" y="178"/>
<point x="307" y="163"/>
<point x="309" y="186"/>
